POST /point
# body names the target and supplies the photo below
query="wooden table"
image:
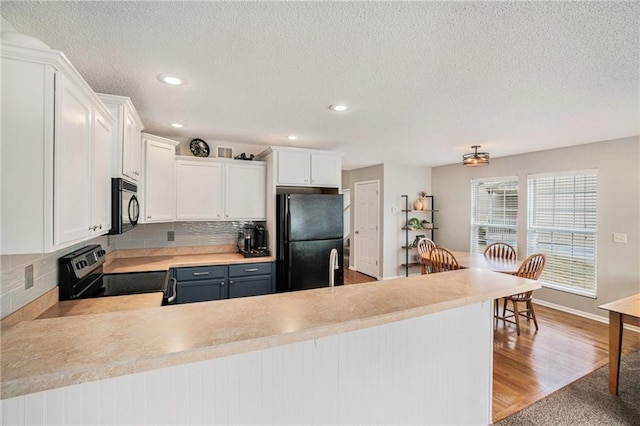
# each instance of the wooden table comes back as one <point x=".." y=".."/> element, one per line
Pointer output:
<point x="620" y="311"/>
<point x="475" y="260"/>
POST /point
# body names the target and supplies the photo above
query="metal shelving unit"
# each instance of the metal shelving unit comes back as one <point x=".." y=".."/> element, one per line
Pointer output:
<point x="431" y="231"/>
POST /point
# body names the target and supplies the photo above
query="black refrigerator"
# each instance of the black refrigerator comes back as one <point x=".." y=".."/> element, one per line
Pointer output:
<point x="308" y="227"/>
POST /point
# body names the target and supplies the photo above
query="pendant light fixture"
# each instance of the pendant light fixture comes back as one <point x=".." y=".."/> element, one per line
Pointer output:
<point x="475" y="158"/>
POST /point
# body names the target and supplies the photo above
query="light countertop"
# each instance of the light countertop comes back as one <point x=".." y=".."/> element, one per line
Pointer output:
<point x="162" y="262"/>
<point x="68" y="308"/>
<point x="76" y="349"/>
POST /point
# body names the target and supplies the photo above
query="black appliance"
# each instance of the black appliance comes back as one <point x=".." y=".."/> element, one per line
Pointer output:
<point x="252" y="241"/>
<point x="260" y="238"/>
<point x="125" y="208"/>
<point x="308" y="227"/>
<point x="80" y="276"/>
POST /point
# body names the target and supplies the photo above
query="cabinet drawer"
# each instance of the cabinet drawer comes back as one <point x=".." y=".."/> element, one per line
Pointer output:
<point x="248" y="269"/>
<point x="200" y="273"/>
<point x="201" y="291"/>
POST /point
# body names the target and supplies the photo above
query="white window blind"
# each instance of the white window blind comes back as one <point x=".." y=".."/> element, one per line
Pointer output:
<point x="562" y="224"/>
<point x="494" y="212"/>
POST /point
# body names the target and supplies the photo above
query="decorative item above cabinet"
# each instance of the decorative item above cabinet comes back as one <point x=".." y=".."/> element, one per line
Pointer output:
<point x="127" y="137"/>
<point x="304" y="167"/>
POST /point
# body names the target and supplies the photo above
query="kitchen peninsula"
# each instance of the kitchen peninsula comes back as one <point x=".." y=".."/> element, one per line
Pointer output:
<point x="410" y="350"/>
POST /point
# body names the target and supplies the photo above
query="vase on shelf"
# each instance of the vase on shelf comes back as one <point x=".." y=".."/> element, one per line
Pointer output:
<point x="417" y="205"/>
<point x="425" y="203"/>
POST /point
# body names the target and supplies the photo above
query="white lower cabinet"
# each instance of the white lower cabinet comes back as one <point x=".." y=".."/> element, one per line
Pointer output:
<point x="159" y="190"/>
<point x="220" y="189"/>
<point x="54" y="130"/>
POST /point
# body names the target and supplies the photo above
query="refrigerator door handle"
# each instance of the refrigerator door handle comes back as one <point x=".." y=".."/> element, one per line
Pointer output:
<point x="288" y="257"/>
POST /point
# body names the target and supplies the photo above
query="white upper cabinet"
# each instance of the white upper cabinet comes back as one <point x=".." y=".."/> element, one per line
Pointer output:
<point x="326" y="169"/>
<point x="159" y="188"/>
<point x="54" y="131"/>
<point x="199" y="189"/>
<point x="220" y="189"/>
<point x="305" y="167"/>
<point x="294" y="168"/>
<point x="245" y="190"/>
<point x="127" y="137"/>
<point x="102" y="137"/>
<point x="72" y="182"/>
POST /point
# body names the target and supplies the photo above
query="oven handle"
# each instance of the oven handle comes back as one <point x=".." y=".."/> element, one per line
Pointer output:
<point x="173" y="297"/>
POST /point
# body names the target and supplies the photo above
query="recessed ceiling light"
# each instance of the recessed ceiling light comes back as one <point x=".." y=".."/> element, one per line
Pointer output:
<point x="292" y="137"/>
<point x="177" y="125"/>
<point x="172" y="79"/>
<point x="338" y="108"/>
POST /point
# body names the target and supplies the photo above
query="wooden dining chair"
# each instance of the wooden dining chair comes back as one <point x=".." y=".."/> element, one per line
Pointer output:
<point x="531" y="268"/>
<point x="425" y="245"/>
<point x="443" y="260"/>
<point x="499" y="251"/>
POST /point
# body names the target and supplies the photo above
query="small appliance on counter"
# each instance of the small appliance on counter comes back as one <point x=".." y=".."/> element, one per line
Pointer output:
<point x="252" y="241"/>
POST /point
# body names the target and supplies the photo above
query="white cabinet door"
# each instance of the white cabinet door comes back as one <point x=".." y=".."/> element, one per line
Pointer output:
<point x="325" y="169"/>
<point x="101" y="212"/>
<point x="159" y="189"/>
<point x="131" y="147"/>
<point x="199" y="190"/>
<point x="73" y="163"/>
<point x="293" y="168"/>
<point x="245" y="192"/>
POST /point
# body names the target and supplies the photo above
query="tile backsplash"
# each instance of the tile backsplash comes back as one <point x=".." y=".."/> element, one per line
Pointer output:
<point x="13" y="294"/>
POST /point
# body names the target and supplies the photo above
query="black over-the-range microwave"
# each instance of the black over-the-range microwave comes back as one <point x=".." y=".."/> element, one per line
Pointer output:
<point x="125" y="208"/>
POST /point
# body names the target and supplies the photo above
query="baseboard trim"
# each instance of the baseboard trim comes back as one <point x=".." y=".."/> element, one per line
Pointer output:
<point x="602" y="319"/>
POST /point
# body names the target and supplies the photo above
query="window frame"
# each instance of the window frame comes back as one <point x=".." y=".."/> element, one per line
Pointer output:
<point x="476" y="225"/>
<point x="583" y="239"/>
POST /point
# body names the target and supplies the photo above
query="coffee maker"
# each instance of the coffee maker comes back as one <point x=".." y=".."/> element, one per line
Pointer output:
<point x="252" y="241"/>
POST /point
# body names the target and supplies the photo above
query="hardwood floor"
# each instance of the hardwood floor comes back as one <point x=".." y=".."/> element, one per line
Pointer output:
<point x="353" y="277"/>
<point x="528" y="367"/>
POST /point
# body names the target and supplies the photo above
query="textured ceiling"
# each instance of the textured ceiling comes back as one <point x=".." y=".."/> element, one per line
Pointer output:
<point x="425" y="80"/>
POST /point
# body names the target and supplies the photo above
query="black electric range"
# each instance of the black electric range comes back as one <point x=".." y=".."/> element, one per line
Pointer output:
<point x="80" y="276"/>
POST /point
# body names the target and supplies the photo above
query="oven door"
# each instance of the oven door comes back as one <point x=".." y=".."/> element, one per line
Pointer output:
<point x="139" y="283"/>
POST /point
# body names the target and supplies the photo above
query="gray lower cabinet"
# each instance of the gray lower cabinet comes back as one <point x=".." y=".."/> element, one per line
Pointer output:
<point x="200" y="283"/>
<point x="251" y="279"/>
<point x="205" y="283"/>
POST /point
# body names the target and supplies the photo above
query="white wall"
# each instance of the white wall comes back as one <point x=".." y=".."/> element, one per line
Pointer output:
<point x="400" y="180"/>
<point x="618" y="164"/>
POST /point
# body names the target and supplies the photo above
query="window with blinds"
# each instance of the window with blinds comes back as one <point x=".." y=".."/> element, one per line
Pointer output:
<point x="562" y="224"/>
<point x="494" y="212"/>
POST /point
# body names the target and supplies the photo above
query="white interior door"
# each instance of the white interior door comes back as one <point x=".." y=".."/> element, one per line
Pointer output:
<point x="366" y="210"/>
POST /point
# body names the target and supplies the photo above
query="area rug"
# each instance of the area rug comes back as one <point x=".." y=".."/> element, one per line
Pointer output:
<point x="587" y="401"/>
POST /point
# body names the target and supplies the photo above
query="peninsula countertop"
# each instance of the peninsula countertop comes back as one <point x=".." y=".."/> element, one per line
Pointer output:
<point x="163" y="262"/>
<point x="51" y="353"/>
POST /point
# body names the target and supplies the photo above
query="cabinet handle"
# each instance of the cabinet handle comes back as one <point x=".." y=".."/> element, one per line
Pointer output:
<point x="252" y="270"/>
<point x="222" y="283"/>
<point x="226" y="215"/>
<point x="100" y="227"/>
<point x="148" y="217"/>
<point x="197" y="274"/>
<point x="230" y="282"/>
